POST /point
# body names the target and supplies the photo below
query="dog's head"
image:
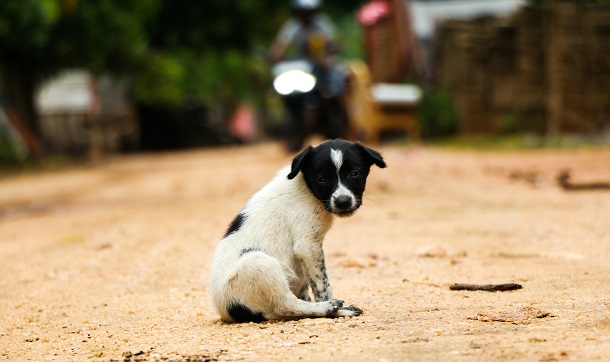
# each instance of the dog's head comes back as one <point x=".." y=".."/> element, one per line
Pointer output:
<point x="335" y="171"/>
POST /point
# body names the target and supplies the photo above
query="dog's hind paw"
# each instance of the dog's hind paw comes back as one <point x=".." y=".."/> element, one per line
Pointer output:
<point x="349" y="311"/>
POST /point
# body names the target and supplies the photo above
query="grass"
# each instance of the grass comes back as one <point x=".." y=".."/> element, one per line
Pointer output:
<point x="523" y="142"/>
<point x="12" y="167"/>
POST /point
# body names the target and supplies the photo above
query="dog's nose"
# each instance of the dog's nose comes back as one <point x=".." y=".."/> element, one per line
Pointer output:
<point x="343" y="202"/>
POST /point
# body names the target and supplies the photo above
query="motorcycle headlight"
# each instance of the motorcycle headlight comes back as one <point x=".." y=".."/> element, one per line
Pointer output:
<point x="294" y="81"/>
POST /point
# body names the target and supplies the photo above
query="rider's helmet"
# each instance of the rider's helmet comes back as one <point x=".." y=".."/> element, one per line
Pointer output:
<point x="306" y="5"/>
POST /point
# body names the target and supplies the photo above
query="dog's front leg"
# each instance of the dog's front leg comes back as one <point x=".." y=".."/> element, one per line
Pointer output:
<point x="311" y="257"/>
<point x="318" y="279"/>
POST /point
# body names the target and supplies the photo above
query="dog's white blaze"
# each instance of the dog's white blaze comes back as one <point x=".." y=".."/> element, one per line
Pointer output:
<point x="337" y="157"/>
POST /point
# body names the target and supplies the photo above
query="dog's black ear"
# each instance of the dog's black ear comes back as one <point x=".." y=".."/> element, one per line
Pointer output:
<point x="297" y="162"/>
<point x="373" y="156"/>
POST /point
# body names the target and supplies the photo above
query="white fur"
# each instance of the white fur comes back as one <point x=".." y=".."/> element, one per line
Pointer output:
<point x="287" y="222"/>
<point x="337" y="157"/>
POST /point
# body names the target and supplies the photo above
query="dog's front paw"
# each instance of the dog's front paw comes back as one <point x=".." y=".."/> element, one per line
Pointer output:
<point x="334" y="306"/>
<point x="349" y="311"/>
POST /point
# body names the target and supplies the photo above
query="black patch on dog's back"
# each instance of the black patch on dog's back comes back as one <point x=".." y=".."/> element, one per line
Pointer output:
<point x="241" y="314"/>
<point x="236" y="224"/>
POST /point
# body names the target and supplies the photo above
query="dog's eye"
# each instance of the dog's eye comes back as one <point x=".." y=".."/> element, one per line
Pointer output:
<point x="321" y="180"/>
<point x="354" y="174"/>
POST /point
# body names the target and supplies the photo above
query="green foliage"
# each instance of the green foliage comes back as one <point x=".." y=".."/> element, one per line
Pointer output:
<point x="546" y="2"/>
<point x="25" y="26"/>
<point x="509" y="124"/>
<point x="46" y="36"/>
<point x="337" y="9"/>
<point x="210" y="78"/>
<point x="214" y="25"/>
<point x="213" y="45"/>
<point x="511" y="142"/>
<point x="8" y="155"/>
<point x="171" y="50"/>
<point x="159" y="80"/>
<point x="350" y="37"/>
<point x="102" y="36"/>
<point x="437" y="115"/>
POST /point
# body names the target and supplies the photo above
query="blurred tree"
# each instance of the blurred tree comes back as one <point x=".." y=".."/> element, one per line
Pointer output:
<point x="172" y="50"/>
<point x="101" y="36"/>
<point x="203" y="50"/>
<point x="24" y="34"/>
<point x="546" y="2"/>
<point x="25" y="26"/>
<point x="41" y="37"/>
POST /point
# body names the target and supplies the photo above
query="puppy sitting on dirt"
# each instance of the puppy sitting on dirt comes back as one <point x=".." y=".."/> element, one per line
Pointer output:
<point x="271" y="255"/>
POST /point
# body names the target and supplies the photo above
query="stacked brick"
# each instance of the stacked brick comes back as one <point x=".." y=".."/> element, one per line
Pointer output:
<point x="544" y="70"/>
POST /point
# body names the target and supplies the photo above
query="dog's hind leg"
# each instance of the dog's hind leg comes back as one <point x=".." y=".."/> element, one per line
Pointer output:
<point x="262" y="287"/>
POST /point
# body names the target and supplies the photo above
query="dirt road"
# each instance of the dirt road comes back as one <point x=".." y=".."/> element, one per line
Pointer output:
<point x="110" y="262"/>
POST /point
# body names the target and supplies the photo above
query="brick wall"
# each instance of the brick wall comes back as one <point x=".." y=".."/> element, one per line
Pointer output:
<point x="544" y="69"/>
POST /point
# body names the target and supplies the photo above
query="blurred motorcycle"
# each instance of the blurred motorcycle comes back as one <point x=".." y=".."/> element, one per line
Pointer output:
<point x="313" y="96"/>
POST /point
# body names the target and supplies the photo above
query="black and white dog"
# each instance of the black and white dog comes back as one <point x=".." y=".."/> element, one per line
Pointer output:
<point x="270" y="262"/>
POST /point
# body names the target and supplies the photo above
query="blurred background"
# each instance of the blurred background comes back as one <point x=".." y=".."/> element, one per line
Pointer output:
<point x="90" y="78"/>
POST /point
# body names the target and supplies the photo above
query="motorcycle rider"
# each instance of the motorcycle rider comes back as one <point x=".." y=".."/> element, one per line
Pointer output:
<point x="310" y="36"/>
<point x="308" y="32"/>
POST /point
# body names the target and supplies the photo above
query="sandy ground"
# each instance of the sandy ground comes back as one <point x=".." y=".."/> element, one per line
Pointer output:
<point x="110" y="262"/>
